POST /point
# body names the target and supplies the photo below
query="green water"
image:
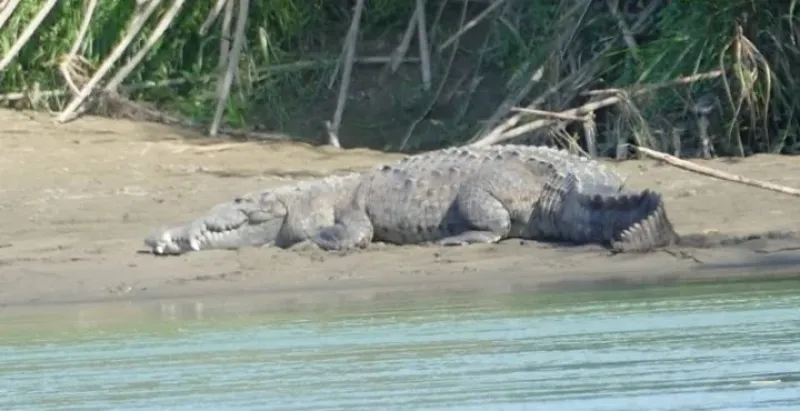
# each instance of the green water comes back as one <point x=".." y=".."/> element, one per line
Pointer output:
<point x="733" y="347"/>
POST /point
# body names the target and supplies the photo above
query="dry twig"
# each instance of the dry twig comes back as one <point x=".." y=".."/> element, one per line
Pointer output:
<point x="689" y="166"/>
<point x="550" y="114"/>
<point x="400" y="51"/>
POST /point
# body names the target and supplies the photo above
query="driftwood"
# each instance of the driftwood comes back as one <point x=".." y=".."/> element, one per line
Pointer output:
<point x="689" y="166"/>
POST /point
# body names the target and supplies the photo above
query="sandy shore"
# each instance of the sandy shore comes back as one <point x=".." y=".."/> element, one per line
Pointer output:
<point x="77" y="200"/>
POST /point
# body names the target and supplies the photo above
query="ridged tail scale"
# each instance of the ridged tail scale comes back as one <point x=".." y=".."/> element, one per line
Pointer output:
<point x="629" y="222"/>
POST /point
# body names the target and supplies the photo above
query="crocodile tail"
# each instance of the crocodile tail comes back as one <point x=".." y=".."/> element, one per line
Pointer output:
<point x="587" y="207"/>
<point x="641" y="223"/>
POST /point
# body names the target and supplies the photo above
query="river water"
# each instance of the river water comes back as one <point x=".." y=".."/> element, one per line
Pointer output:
<point x="711" y="347"/>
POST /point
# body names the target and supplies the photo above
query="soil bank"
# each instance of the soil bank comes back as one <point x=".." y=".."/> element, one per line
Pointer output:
<point x="77" y="200"/>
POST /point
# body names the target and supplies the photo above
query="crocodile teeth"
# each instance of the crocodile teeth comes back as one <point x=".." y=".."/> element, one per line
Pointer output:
<point x="194" y="243"/>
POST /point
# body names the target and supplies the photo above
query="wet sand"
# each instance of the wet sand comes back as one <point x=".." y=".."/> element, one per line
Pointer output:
<point x="78" y="199"/>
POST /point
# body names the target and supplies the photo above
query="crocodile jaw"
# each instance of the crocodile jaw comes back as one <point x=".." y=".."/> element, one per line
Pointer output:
<point x="241" y="223"/>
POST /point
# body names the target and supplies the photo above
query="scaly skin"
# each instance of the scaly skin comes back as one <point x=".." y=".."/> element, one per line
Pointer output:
<point x="451" y="196"/>
<point x="282" y="216"/>
<point x="483" y="195"/>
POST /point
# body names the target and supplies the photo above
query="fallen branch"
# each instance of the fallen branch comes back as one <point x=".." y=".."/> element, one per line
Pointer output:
<point x="587" y="108"/>
<point x="689" y="166"/>
<point x="550" y="114"/>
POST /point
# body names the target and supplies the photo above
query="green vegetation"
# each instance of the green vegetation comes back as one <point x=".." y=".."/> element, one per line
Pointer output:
<point x="292" y="49"/>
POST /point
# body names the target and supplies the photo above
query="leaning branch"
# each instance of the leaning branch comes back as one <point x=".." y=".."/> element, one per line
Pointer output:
<point x="134" y="28"/>
<point x="615" y="96"/>
<point x="224" y="87"/>
<point x="27" y="33"/>
<point x="689" y="166"/>
<point x="348" y="57"/>
<point x="154" y="37"/>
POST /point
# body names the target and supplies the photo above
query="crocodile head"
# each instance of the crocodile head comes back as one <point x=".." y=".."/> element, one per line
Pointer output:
<point x="248" y="221"/>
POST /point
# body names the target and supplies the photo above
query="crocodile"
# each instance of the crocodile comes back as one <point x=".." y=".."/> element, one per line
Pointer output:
<point x="453" y="196"/>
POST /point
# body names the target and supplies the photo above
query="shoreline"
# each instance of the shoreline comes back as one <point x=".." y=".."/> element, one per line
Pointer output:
<point x="79" y="199"/>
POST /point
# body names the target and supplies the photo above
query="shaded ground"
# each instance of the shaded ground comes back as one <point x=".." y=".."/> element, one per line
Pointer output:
<point x="77" y="200"/>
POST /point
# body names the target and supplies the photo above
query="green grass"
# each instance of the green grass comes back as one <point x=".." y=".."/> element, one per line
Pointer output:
<point x="578" y="40"/>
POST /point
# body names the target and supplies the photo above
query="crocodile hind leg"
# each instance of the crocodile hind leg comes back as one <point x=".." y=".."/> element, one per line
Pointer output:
<point x="485" y="218"/>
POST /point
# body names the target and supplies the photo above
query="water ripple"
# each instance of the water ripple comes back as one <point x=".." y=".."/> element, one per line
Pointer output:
<point x="689" y="350"/>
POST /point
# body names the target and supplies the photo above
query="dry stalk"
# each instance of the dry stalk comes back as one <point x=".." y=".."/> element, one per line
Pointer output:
<point x="400" y="51"/>
<point x="298" y="65"/>
<point x="621" y="152"/>
<point x="590" y="132"/>
<point x="75" y="67"/>
<point x="471" y="24"/>
<point x="439" y="89"/>
<point x="509" y="104"/>
<point x="436" y="19"/>
<point x="689" y="166"/>
<point x="32" y="95"/>
<point x="702" y="109"/>
<point x="84" y="29"/>
<point x="487" y="137"/>
<point x="212" y="16"/>
<point x="224" y="43"/>
<point x="27" y="33"/>
<point x="349" y="56"/>
<point x="133" y="29"/>
<point x="154" y="37"/>
<point x="550" y="114"/>
<point x="512" y="100"/>
<point x="424" y="47"/>
<point x="7" y="11"/>
<point x="227" y="78"/>
<point x="627" y="34"/>
<point x="67" y="65"/>
<point x="590" y="107"/>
